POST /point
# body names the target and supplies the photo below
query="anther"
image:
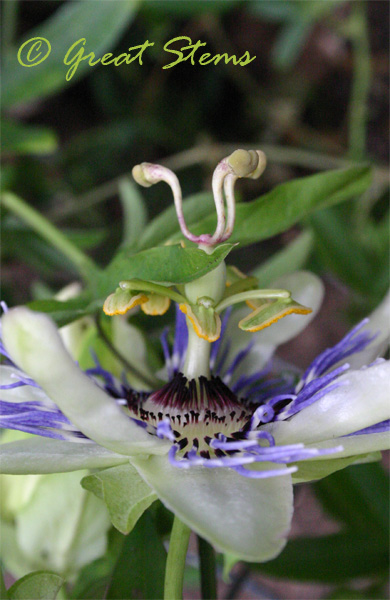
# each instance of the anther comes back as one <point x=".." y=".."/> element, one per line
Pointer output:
<point x="182" y="443"/>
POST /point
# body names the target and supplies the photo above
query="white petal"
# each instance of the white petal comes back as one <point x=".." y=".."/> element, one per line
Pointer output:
<point x="130" y="342"/>
<point x="24" y="393"/>
<point x="358" y="449"/>
<point x="313" y="470"/>
<point x="44" y="455"/>
<point x="72" y="290"/>
<point x="246" y="517"/>
<point x="380" y="318"/>
<point x="73" y="334"/>
<point x="356" y="444"/>
<point x="379" y="323"/>
<point x="260" y="352"/>
<point x="35" y="345"/>
<point x="362" y="401"/>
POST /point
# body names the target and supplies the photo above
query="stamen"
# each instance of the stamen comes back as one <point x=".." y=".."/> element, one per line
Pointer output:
<point x="350" y="344"/>
<point x="382" y="427"/>
<point x="313" y="391"/>
<point x="164" y="430"/>
<point x="3" y="306"/>
<point x="263" y="414"/>
<point x="264" y="474"/>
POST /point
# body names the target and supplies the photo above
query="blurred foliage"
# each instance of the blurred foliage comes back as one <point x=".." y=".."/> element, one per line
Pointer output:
<point x="314" y="99"/>
<point x="358" y="498"/>
<point x="66" y="145"/>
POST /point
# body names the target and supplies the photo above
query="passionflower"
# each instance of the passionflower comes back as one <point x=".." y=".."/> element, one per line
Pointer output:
<point x="222" y="442"/>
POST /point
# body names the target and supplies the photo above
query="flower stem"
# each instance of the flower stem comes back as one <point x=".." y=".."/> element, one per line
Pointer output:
<point x="3" y="589"/>
<point x="358" y="105"/>
<point x="174" y="572"/>
<point x="10" y="18"/>
<point x="197" y="362"/>
<point x="50" y="233"/>
<point x="208" y="580"/>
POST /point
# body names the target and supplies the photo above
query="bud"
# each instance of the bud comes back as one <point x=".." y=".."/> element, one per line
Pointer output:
<point x="49" y="522"/>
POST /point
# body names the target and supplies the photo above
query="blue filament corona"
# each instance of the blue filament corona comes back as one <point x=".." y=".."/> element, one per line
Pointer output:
<point x="239" y="411"/>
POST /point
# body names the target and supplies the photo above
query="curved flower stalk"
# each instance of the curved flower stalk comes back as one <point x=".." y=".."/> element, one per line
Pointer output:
<point x="225" y="438"/>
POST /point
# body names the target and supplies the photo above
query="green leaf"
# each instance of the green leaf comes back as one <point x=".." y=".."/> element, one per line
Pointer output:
<point x="291" y="258"/>
<point x="19" y="241"/>
<point x="358" y="496"/>
<point x="70" y="23"/>
<point x="314" y="11"/>
<point x="126" y="495"/>
<point x="34" y="251"/>
<point x="93" y="579"/>
<point x="86" y="238"/>
<point x="167" y="264"/>
<point x="293" y="36"/>
<point x="331" y="559"/>
<point x="18" y="138"/>
<point x="195" y="208"/>
<point x="94" y="155"/>
<point x="339" y="249"/>
<point x="64" y="312"/>
<point x="189" y="8"/>
<point x="290" y="202"/>
<point x="134" y="212"/>
<point x="273" y="10"/>
<point x="351" y="594"/>
<point x="290" y="43"/>
<point x="140" y="570"/>
<point x="40" y="585"/>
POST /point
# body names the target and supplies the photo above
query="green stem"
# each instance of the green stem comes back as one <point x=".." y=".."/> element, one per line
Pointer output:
<point x="251" y="295"/>
<point x="197" y="362"/>
<point x="10" y="16"/>
<point x="360" y="83"/>
<point x="176" y="560"/>
<point x="61" y="594"/>
<point x="50" y="233"/>
<point x="3" y="589"/>
<point x="208" y="579"/>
